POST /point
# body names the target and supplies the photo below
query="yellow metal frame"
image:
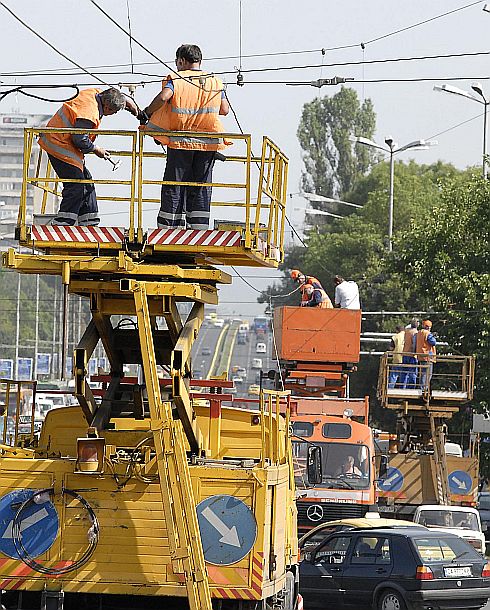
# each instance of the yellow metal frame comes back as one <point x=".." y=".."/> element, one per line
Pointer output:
<point x="262" y="223"/>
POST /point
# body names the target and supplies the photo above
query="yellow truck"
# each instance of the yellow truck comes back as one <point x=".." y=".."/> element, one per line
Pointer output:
<point x="149" y="494"/>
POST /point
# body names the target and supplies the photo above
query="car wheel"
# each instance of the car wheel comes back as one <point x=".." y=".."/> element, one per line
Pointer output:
<point x="391" y="600"/>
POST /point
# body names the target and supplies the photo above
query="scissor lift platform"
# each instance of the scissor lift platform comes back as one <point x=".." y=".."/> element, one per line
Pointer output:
<point x="254" y="237"/>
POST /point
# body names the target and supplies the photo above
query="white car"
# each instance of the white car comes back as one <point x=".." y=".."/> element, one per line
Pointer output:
<point x="261" y="348"/>
<point x="219" y="322"/>
<point x="237" y="379"/>
<point x="464" y="521"/>
<point x="257" y="363"/>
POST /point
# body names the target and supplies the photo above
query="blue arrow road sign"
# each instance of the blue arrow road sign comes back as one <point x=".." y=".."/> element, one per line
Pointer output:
<point x="393" y="481"/>
<point x="460" y="482"/>
<point x="38" y="527"/>
<point x="228" y="529"/>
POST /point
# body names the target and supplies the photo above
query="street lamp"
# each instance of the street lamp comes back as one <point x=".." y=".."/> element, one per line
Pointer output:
<point x="392" y="149"/>
<point x="477" y="88"/>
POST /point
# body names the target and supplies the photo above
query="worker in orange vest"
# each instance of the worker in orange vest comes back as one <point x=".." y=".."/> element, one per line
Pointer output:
<point x="426" y="353"/>
<point x="190" y="101"/>
<point x="316" y="297"/>
<point x="408" y="379"/>
<point x="304" y="280"/>
<point x="67" y="151"/>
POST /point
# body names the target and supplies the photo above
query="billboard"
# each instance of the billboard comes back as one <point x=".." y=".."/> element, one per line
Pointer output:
<point x="24" y="369"/>
<point x="6" y="368"/>
<point x="43" y="364"/>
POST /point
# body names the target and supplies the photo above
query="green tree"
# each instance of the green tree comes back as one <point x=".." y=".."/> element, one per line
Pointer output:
<point x="332" y="163"/>
<point x="446" y="255"/>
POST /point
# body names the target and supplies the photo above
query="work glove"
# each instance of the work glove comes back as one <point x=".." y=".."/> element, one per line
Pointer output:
<point x="142" y="117"/>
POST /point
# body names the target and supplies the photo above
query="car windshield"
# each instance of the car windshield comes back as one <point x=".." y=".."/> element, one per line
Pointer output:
<point x="445" y="549"/>
<point x="448" y="518"/>
<point x="344" y="465"/>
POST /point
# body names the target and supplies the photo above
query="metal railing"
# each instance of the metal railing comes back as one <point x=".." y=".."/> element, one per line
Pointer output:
<point x="261" y="207"/>
<point x="442" y="378"/>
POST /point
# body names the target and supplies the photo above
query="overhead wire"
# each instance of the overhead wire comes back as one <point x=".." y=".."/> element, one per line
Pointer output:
<point x="175" y="73"/>
<point x="277" y="53"/>
<point x="130" y="37"/>
<point x="322" y="65"/>
<point x="55" y="49"/>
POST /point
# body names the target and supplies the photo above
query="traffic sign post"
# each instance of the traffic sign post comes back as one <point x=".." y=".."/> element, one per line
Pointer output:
<point x="38" y="526"/>
<point x="228" y="529"/>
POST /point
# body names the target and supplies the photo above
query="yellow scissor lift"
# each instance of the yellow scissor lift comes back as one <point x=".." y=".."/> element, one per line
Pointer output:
<point x="143" y="272"/>
<point x="422" y="471"/>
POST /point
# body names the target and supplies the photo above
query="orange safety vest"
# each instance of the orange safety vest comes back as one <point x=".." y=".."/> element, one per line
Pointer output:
<point x="310" y="279"/>
<point x="60" y="145"/>
<point x="425" y="348"/>
<point x="193" y="108"/>
<point x="325" y="303"/>
<point x="407" y="346"/>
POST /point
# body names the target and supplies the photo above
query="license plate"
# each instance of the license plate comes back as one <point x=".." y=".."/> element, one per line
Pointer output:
<point x="457" y="572"/>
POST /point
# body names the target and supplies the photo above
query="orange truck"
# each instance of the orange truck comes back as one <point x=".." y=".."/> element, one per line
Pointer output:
<point x="318" y="349"/>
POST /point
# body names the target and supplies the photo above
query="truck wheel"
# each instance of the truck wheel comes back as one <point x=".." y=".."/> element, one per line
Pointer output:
<point x="391" y="600"/>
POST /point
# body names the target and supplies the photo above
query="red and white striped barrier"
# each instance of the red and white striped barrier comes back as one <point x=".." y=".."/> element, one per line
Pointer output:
<point x="300" y="602"/>
<point x="62" y="233"/>
<point x="193" y="237"/>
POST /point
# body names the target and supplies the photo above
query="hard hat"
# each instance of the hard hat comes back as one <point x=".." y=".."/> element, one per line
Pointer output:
<point x="295" y="273"/>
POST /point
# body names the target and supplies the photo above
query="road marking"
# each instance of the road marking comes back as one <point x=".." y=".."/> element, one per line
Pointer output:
<point x="228" y="535"/>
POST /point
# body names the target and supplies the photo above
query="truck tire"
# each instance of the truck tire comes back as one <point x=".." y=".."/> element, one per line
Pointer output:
<point x="289" y="592"/>
<point x="391" y="600"/>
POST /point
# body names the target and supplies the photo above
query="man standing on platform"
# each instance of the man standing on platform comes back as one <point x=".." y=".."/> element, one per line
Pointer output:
<point x="190" y="101"/>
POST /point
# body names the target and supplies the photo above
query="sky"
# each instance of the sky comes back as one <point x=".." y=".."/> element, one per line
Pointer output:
<point x="406" y="111"/>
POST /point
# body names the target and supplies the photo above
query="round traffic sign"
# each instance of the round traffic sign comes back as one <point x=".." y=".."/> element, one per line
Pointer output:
<point x="228" y="529"/>
<point x="460" y="482"/>
<point x="38" y="527"/>
<point x="393" y="481"/>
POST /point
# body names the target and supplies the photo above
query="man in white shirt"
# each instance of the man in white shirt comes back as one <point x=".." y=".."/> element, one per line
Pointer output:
<point x="346" y="293"/>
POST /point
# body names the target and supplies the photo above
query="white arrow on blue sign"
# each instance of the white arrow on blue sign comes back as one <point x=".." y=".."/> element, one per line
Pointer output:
<point x="228" y="529"/>
<point x="393" y="481"/>
<point x="460" y="482"/>
<point x="38" y="527"/>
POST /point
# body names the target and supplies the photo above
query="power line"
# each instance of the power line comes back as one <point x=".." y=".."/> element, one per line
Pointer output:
<point x="410" y="27"/>
<point x="72" y="61"/>
<point x="269" y="54"/>
<point x="360" y="62"/>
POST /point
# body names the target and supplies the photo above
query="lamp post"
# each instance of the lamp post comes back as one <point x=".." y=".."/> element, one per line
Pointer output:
<point x="477" y="88"/>
<point x="392" y="149"/>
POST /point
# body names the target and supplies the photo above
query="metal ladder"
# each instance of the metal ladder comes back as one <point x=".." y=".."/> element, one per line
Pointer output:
<point x="175" y="481"/>
<point x="438" y="434"/>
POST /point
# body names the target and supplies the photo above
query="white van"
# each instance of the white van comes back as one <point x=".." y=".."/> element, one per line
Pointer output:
<point x="219" y="322"/>
<point x="261" y="348"/>
<point x="257" y="363"/>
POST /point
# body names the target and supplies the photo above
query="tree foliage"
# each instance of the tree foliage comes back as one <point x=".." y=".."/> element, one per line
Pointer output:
<point x="332" y="163"/>
<point x="446" y="255"/>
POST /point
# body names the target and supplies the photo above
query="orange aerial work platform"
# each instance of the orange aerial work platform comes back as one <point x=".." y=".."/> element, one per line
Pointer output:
<point x="317" y="348"/>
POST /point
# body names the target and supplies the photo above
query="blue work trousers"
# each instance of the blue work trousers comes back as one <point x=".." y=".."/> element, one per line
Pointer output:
<point x="396" y="373"/>
<point x="186" y="206"/>
<point x="408" y="379"/>
<point x="79" y="201"/>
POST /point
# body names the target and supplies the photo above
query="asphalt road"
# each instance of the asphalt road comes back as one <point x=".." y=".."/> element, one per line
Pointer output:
<point x="207" y="338"/>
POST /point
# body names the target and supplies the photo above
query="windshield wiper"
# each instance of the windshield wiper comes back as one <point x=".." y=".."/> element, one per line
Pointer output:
<point x="460" y="555"/>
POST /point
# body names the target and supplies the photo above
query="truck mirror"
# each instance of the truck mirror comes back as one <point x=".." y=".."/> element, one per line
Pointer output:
<point x="383" y="466"/>
<point x="314" y="465"/>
